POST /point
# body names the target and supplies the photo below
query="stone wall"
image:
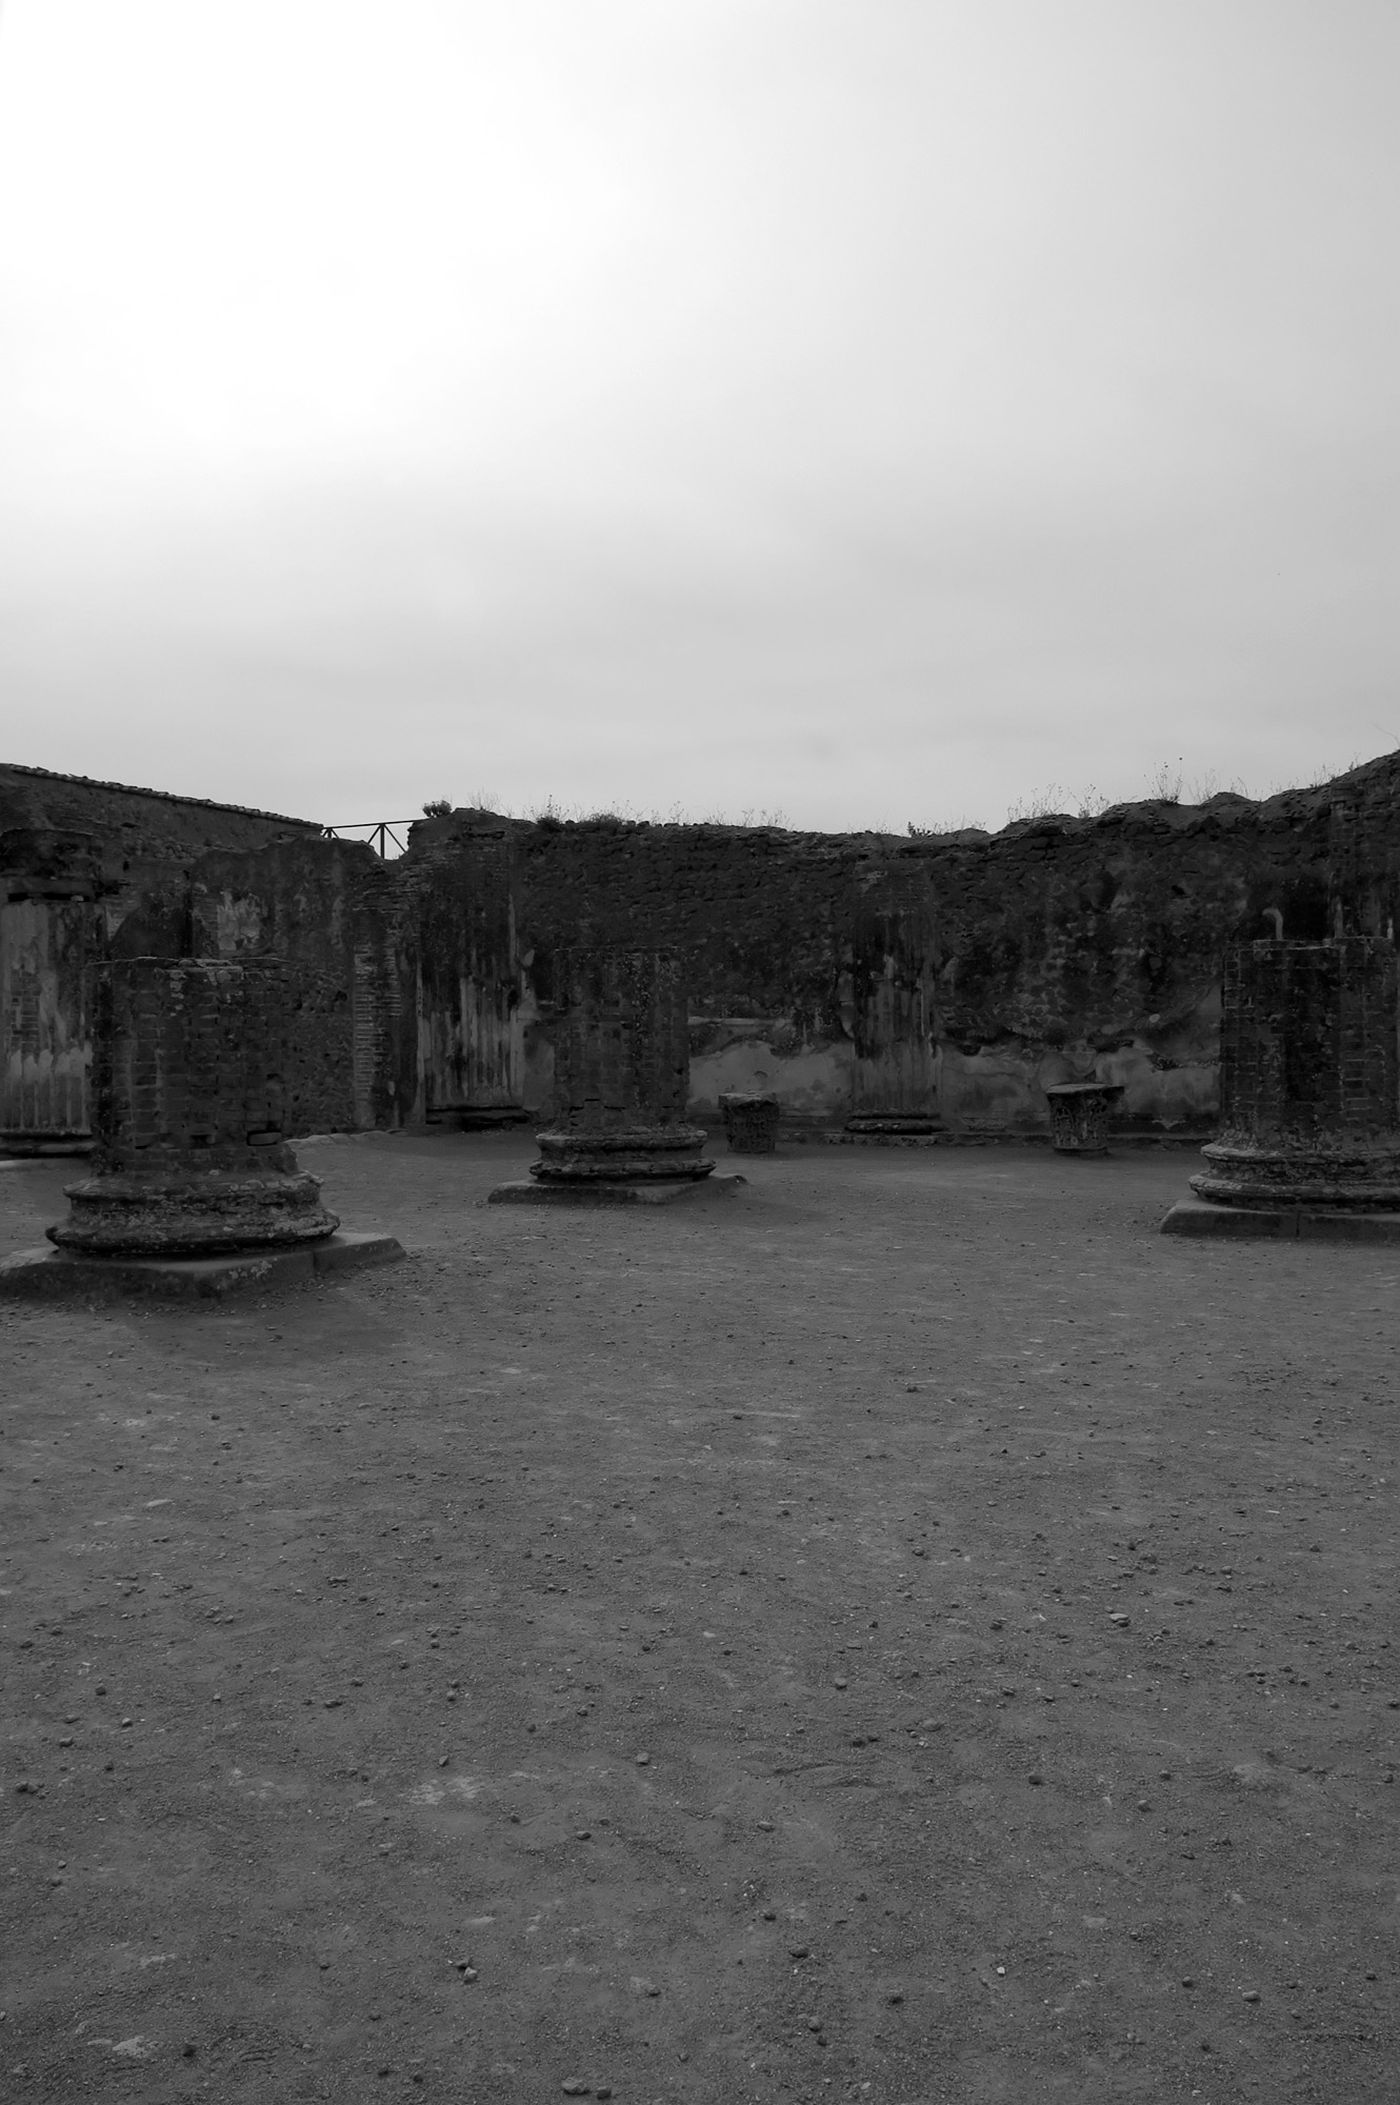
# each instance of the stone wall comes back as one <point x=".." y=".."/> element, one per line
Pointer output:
<point x="330" y="911"/>
<point x="87" y="870"/>
<point x="959" y="975"/>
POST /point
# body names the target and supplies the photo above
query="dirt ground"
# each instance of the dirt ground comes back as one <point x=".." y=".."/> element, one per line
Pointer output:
<point x="907" y="1633"/>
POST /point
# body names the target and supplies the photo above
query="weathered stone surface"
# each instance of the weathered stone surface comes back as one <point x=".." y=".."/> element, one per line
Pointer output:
<point x="1079" y="1116"/>
<point x="750" y="1122"/>
<point x="599" y="1191"/>
<point x="957" y="974"/>
<point x="893" y="1125"/>
<point x="188" y="1109"/>
<point x="621" y="1072"/>
<point x="1310" y="1081"/>
<point x="63" y="1275"/>
<point x="205" y="1210"/>
<point x="1206" y="1217"/>
<point x="622" y="1157"/>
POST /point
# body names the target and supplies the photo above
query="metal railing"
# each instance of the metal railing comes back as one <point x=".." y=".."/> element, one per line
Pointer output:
<point x="378" y="832"/>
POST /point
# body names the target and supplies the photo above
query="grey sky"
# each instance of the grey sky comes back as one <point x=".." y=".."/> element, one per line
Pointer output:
<point x="867" y="411"/>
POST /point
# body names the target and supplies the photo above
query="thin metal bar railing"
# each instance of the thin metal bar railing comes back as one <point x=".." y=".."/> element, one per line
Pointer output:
<point x="378" y="833"/>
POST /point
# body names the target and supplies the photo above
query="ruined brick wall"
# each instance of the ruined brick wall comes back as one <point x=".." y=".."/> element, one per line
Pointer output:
<point x="142" y="828"/>
<point x="962" y="976"/>
<point x="87" y="870"/>
<point x="459" y="890"/>
<point x="622" y="1041"/>
<point x="330" y="912"/>
<point x="191" y="1062"/>
<point x="1308" y="1039"/>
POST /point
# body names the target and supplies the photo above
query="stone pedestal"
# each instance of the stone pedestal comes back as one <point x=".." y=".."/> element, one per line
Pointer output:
<point x="621" y="1079"/>
<point x="1079" y="1114"/>
<point x="190" y="1157"/>
<point x="750" y="1123"/>
<point x="1309" y="1090"/>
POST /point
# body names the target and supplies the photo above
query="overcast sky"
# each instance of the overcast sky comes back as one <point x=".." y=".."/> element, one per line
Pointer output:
<point x="860" y="410"/>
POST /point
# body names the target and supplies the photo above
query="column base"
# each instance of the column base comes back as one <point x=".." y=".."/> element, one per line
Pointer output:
<point x="1353" y="1177"/>
<point x="1197" y="1216"/>
<point x="629" y="1155"/>
<point x="197" y="1214"/>
<point x="652" y="1191"/>
<point x="63" y="1275"/>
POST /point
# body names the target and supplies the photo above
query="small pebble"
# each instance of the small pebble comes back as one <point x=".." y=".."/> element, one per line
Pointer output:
<point x="642" y="1760"/>
<point x="765" y="1827"/>
<point x="839" y="1682"/>
<point x="575" y="2087"/>
<point x="1035" y="1777"/>
<point x="1251" y="1995"/>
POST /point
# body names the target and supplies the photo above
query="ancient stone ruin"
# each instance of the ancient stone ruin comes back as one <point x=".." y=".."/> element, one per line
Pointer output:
<point x="912" y="989"/>
<point x="194" y="1184"/>
<point x="621" y="1082"/>
<point x="1310" y="1092"/>
<point x="190" y="1153"/>
<point x="751" y="1122"/>
<point x="1079" y="1116"/>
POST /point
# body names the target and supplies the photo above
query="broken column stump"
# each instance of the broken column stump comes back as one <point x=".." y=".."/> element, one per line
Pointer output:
<point x="194" y="1186"/>
<point x="1309" y="1139"/>
<point x="1079" y="1115"/>
<point x="750" y="1122"/>
<point x="619" y="1132"/>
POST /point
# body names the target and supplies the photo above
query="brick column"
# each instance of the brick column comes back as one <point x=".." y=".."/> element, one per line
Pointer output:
<point x="190" y="1154"/>
<point x="621" y="1071"/>
<point x="1309" y="1077"/>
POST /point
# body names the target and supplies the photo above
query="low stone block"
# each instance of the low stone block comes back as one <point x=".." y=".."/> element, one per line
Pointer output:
<point x="534" y="1192"/>
<point x="1310" y="1223"/>
<point x="46" y="1274"/>
<point x="751" y="1122"/>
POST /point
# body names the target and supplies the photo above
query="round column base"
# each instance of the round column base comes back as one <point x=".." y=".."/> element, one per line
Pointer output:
<point x="1356" y="1178"/>
<point x="633" y="1155"/>
<point x="196" y="1215"/>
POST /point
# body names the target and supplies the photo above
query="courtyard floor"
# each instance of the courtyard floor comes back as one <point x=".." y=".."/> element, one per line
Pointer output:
<point x="906" y="1633"/>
